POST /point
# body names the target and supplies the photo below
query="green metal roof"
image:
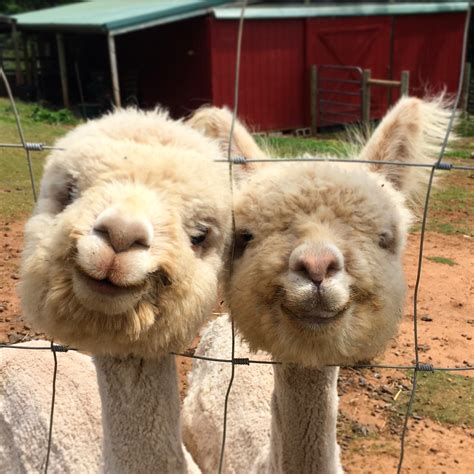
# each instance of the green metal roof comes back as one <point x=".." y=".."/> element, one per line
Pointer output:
<point x="362" y="9"/>
<point x="115" y="16"/>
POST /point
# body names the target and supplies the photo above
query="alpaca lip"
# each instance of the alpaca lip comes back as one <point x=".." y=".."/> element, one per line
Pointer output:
<point x="105" y="286"/>
<point x="312" y="319"/>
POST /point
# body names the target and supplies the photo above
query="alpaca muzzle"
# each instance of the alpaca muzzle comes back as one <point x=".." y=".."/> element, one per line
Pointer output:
<point x="123" y="231"/>
<point x="316" y="290"/>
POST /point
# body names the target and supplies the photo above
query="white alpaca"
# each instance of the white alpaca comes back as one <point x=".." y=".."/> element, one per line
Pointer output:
<point x="25" y="402"/>
<point x="121" y="260"/>
<point x="317" y="280"/>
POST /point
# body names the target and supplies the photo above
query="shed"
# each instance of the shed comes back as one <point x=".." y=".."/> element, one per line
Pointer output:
<point x="111" y="50"/>
<point x="182" y="54"/>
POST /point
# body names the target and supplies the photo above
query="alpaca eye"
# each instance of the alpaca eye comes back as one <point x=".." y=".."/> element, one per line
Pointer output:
<point x="386" y="240"/>
<point x="68" y="194"/>
<point x="246" y="236"/>
<point x="242" y="239"/>
<point x="72" y="192"/>
<point x="200" y="237"/>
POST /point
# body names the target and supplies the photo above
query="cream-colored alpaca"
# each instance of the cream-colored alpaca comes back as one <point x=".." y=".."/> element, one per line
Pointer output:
<point x="317" y="280"/>
<point x="121" y="260"/>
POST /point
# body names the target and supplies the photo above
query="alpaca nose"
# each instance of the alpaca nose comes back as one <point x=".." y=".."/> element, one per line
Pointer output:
<point x="124" y="230"/>
<point x="317" y="264"/>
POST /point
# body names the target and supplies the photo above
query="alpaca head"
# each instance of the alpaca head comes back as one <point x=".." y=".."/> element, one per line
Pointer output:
<point x="123" y="254"/>
<point x="317" y="277"/>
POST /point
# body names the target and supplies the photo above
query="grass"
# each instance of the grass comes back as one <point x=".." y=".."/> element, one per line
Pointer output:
<point x="460" y="154"/>
<point x="443" y="260"/>
<point x="452" y="204"/>
<point x="465" y="128"/>
<point x="284" y="146"/>
<point x="445" y="398"/>
<point x="16" y="197"/>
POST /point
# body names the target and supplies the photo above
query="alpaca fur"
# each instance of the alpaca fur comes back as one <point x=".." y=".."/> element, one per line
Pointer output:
<point x="25" y="404"/>
<point x="122" y="259"/>
<point x="290" y="219"/>
<point x="216" y="123"/>
<point x="146" y="165"/>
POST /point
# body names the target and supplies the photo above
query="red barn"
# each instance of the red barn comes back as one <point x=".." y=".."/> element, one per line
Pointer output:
<point x="187" y="59"/>
<point x="281" y="43"/>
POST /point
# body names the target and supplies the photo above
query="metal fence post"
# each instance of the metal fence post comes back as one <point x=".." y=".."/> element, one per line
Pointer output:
<point x="366" y="97"/>
<point x="405" y="83"/>
<point x="314" y="99"/>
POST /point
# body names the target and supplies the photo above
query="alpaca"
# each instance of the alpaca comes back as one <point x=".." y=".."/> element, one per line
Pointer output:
<point x="25" y="404"/>
<point x="216" y="123"/>
<point x="317" y="281"/>
<point x="122" y="260"/>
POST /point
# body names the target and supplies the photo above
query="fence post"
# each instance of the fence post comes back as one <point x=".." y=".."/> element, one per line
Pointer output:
<point x="114" y="70"/>
<point x="314" y="99"/>
<point x="465" y="89"/>
<point x="405" y="83"/>
<point x="16" y="47"/>
<point x="366" y="97"/>
<point x="63" y="69"/>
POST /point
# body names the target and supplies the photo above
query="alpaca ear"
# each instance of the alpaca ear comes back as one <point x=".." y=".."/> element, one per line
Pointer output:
<point x="412" y="131"/>
<point x="215" y="123"/>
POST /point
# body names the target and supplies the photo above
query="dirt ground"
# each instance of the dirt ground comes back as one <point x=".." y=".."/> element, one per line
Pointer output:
<point x="369" y="428"/>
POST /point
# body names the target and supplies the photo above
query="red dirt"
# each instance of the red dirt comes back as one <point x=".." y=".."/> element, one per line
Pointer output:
<point x="445" y="299"/>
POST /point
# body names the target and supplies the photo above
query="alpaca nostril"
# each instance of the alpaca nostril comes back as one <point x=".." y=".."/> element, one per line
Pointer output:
<point x="317" y="266"/>
<point x="122" y="230"/>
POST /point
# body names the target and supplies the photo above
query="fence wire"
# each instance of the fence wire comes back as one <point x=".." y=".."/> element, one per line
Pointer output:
<point x="231" y="161"/>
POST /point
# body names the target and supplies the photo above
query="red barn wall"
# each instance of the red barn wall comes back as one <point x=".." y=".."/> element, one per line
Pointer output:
<point x="277" y="55"/>
<point x="430" y="47"/>
<point x="272" y="71"/>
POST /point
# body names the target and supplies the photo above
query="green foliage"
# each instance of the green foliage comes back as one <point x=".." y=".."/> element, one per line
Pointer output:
<point x="443" y="260"/>
<point x="61" y="116"/>
<point x="12" y="7"/>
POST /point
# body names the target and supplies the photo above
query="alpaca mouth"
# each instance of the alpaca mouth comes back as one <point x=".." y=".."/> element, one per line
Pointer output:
<point x="105" y="286"/>
<point x="314" y="319"/>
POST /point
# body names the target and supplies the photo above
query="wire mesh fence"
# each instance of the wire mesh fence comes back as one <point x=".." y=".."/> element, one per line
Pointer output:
<point x="416" y="367"/>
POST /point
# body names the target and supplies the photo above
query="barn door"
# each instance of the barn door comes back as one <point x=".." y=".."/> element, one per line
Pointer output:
<point x="363" y="42"/>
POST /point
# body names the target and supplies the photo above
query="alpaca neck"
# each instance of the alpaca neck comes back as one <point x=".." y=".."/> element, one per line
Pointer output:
<point x="140" y="415"/>
<point x="304" y="414"/>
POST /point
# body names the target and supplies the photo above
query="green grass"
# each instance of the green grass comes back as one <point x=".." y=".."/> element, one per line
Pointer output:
<point x="465" y="128"/>
<point x="445" y="398"/>
<point x="16" y="197"/>
<point x="452" y="205"/>
<point x="292" y="146"/>
<point x="443" y="260"/>
<point x="460" y="154"/>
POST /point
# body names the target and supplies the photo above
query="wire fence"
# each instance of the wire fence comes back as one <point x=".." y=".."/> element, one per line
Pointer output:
<point x="439" y="165"/>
